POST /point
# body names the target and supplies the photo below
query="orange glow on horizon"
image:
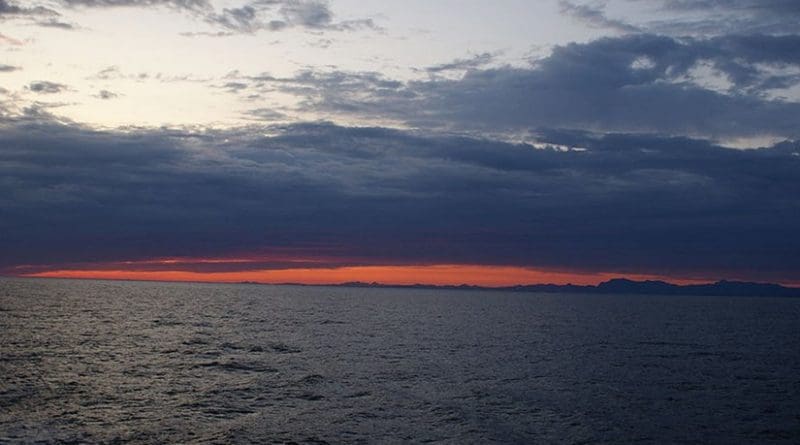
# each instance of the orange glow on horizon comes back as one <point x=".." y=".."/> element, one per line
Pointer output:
<point x="444" y="274"/>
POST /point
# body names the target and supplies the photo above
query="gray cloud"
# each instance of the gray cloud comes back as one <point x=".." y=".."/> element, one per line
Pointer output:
<point x="8" y="68"/>
<point x="276" y="15"/>
<point x="658" y="205"/>
<point x="178" y="4"/>
<point x="235" y="87"/>
<point x="57" y="24"/>
<point x="111" y="72"/>
<point x="265" y="114"/>
<point x="114" y="72"/>
<point x="636" y="83"/>
<point x="594" y="16"/>
<point x="10" y="10"/>
<point x="719" y="17"/>
<point x="242" y="20"/>
<point x="259" y="15"/>
<point x="46" y="87"/>
<point x="767" y="7"/>
<point x="31" y="13"/>
<point x="105" y="95"/>
<point x="312" y="14"/>
<point x="476" y="61"/>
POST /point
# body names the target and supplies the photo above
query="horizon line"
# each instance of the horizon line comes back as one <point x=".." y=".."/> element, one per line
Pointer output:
<point x="357" y="284"/>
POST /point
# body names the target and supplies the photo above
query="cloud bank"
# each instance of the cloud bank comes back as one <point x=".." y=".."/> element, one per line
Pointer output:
<point x="614" y="202"/>
<point x="719" y="88"/>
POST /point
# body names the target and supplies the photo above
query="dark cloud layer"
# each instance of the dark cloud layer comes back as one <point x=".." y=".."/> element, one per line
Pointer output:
<point x="635" y="83"/>
<point x="718" y="17"/>
<point x="626" y="203"/>
<point x="761" y="7"/>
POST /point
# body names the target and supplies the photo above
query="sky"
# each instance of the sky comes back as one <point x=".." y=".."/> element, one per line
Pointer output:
<point x="440" y="142"/>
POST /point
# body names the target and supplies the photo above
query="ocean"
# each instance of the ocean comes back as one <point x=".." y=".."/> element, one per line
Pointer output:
<point x="152" y="363"/>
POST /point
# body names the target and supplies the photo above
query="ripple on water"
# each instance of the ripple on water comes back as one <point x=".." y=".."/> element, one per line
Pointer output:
<point x="236" y="366"/>
<point x="100" y="362"/>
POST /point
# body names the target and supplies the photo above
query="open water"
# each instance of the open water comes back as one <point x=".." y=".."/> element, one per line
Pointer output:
<point x="128" y="362"/>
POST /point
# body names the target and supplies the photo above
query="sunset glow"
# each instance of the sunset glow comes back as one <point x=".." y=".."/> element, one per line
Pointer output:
<point x="446" y="274"/>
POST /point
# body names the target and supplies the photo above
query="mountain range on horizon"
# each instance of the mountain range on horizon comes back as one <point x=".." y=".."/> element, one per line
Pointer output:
<point x="612" y="286"/>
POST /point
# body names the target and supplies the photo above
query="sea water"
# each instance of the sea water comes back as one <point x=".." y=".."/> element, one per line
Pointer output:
<point x="143" y="362"/>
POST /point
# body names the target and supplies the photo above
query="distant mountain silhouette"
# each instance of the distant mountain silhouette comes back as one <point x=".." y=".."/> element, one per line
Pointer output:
<point x="625" y="286"/>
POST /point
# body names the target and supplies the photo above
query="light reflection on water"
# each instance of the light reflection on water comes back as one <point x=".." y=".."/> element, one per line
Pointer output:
<point x="98" y="361"/>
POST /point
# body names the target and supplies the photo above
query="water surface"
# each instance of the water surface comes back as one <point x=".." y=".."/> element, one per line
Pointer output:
<point x="119" y="362"/>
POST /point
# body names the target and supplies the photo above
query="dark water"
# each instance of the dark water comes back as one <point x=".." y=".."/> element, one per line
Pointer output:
<point x="115" y="362"/>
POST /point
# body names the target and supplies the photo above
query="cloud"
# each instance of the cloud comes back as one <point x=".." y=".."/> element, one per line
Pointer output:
<point x="46" y="87"/>
<point x="719" y="17"/>
<point x="476" y="61"/>
<point x="177" y="4"/>
<point x="106" y="95"/>
<point x="113" y="72"/>
<point x="637" y="203"/>
<point x="766" y="7"/>
<point x="242" y="20"/>
<point x="8" y="68"/>
<point x="265" y="114"/>
<point x="594" y="17"/>
<point x="276" y="15"/>
<point x="258" y="15"/>
<point x="634" y="83"/>
<point x="31" y="13"/>
<point x="8" y="9"/>
<point x="235" y="87"/>
<point x="57" y="24"/>
<point x="312" y="14"/>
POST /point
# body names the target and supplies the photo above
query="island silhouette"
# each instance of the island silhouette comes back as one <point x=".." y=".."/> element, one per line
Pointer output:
<point x="613" y="286"/>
